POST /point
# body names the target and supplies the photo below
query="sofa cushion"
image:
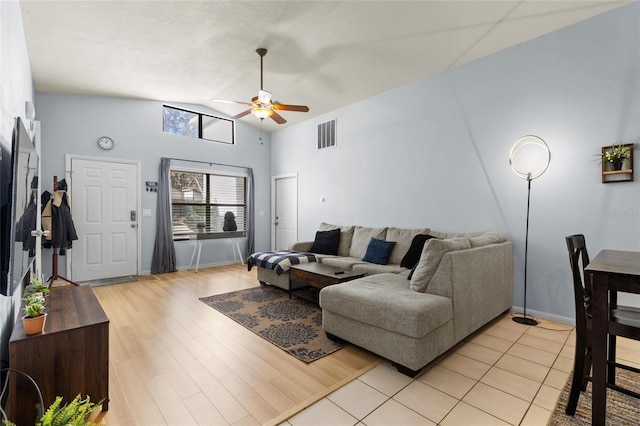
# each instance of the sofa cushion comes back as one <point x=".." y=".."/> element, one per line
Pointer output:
<point x="430" y="259"/>
<point x="326" y="242"/>
<point x="486" y="239"/>
<point x="361" y="238"/>
<point x="345" y="263"/>
<point x="301" y="246"/>
<point x="384" y="301"/>
<point x="346" y="234"/>
<point x="403" y="239"/>
<point x="372" y="268"/>
<point x="378" y="251"/>
<point x="412" y="256"/>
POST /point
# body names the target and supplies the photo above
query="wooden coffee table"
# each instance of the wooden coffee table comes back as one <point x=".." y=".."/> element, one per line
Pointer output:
<point x="308" y="279"/>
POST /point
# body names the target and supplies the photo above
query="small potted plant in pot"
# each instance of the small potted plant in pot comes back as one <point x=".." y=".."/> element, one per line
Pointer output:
<point x="36" y="285"/>
<point x="34" y="313"/>
<point x="615" y="155"/>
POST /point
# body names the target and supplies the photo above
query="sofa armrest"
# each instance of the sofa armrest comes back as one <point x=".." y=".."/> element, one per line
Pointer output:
<point x="303" y="246"/>
<point x="480" y="283"/>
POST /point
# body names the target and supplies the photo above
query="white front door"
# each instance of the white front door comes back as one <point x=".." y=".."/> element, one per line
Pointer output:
<point x="285" y="215"/>
<point x="104" y="207"/>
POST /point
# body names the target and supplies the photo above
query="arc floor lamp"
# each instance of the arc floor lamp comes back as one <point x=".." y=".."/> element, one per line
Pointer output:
<point x="529" y="159"/>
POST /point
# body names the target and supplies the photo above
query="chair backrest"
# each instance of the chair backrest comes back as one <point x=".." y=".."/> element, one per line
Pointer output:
<point x="579" y="258"/>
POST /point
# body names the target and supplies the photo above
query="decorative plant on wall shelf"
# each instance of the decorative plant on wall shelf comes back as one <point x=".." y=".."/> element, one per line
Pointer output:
<point x="616" y="154"/>
<point x="617" y="163"/>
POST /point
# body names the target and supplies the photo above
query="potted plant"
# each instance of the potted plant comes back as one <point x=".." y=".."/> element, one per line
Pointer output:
<point x="200" y="226"/>
<point x="615" y="155"/>
<point x="75" y="413"/>
<point x="34" y="313"/>
<point x="36" y="285"/>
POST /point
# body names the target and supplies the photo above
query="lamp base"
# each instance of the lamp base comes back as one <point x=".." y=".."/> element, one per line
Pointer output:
<point x="525" y="320"/>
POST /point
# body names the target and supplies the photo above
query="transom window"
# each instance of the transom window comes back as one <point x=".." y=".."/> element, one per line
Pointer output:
<point x="197" y="125"/>
<point x="207" y="202"/>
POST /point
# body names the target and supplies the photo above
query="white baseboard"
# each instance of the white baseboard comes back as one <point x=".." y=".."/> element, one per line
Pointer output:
<point x="206" y="265"/>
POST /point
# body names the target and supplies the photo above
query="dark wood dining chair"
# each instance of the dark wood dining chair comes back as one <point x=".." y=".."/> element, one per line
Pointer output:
<point x="623" y="321"/>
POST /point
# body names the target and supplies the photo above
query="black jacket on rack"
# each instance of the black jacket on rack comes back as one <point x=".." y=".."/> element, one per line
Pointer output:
<point x="60" y="224"/>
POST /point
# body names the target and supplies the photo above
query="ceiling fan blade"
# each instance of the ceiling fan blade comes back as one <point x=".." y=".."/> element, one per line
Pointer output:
<point x="242" y="114"/>
<point x="278" y="118"/>
<point x="283" y="107"/>
<point x="231" y="102"/>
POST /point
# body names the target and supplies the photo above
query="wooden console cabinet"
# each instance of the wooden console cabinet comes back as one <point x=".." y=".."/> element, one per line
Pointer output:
<point x="71" y="357"/>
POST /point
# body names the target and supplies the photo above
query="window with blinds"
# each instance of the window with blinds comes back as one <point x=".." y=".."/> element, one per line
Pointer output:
<point x="207" y="202"/>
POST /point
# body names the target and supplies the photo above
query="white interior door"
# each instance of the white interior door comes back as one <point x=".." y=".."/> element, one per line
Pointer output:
<point x="285" y="215"/>
<point x="104" y="206"/>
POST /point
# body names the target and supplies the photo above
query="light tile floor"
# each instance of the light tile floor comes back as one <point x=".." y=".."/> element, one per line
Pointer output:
<point x="510" y="374"/>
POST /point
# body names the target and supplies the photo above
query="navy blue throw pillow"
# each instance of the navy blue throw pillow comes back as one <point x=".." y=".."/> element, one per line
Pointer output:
<point x="326" y="242"/>
<point x="378" y="251"/>
<point x="410" y="260"/>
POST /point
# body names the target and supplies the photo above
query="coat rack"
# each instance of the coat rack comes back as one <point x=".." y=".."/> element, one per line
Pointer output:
<point x="54" y="260"/>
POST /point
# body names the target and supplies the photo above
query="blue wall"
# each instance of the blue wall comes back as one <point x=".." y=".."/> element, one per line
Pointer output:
<point x="72" y="124"/>
<point x="435" y="152"/>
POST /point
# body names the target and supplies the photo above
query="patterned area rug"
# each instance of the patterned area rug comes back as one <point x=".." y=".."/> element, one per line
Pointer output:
<point x="621" y="409"/>
<point x="294" y="325"/>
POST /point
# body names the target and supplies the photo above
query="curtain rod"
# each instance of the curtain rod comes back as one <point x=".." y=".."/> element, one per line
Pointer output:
<point x="206" y="162"/>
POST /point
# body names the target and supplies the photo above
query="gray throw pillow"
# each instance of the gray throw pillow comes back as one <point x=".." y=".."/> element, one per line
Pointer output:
<point x="430" y="259"/>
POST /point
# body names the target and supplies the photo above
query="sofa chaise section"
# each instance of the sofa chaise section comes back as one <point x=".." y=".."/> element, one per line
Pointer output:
<point x="468" y="289"/>
<point x="383" y="315"/>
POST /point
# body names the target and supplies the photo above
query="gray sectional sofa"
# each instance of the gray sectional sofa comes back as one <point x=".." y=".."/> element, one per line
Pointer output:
<point x="460" y="283"/>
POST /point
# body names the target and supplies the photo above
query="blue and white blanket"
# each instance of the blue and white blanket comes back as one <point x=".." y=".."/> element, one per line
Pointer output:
<point x="279" y="261"/>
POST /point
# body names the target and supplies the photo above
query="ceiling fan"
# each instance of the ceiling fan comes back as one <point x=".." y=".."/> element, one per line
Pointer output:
<point x="262" y="106"/>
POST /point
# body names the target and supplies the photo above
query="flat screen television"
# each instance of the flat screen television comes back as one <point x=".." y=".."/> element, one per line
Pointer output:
<point x="18" y="208"/>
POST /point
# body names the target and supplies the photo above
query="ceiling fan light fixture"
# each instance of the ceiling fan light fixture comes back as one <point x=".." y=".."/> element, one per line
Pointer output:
<point x="261" y="112"/>
<point x="264" y="97"/>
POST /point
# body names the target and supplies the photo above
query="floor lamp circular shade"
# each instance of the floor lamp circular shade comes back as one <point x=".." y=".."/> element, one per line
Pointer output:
<point x="529" y="157"/>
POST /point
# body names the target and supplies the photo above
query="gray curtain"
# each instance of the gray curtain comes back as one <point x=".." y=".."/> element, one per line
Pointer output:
<point x="164" y="252"/>
<point x="251" y="216"/>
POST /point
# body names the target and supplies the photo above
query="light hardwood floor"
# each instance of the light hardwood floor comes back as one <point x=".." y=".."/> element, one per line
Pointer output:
<point x="174" y="360"/>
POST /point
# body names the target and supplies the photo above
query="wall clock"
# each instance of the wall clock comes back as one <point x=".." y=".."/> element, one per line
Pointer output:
<point x="105" y="142"/>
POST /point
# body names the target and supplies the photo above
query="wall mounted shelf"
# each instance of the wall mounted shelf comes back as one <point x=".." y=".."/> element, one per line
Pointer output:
<point x="625" y="174"/>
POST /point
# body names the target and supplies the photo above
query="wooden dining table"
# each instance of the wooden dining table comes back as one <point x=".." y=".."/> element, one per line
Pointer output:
<point x="610" y="271"/>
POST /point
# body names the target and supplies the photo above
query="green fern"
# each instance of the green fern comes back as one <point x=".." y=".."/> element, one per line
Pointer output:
<point x="74" y="413"/>
<point x="47" y="418"/>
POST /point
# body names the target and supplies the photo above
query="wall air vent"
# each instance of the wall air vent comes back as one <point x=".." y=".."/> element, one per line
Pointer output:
<point x="327" y="134"/>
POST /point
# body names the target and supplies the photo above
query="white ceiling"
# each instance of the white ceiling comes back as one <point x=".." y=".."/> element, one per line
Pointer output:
<point x="324" y="54"/>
